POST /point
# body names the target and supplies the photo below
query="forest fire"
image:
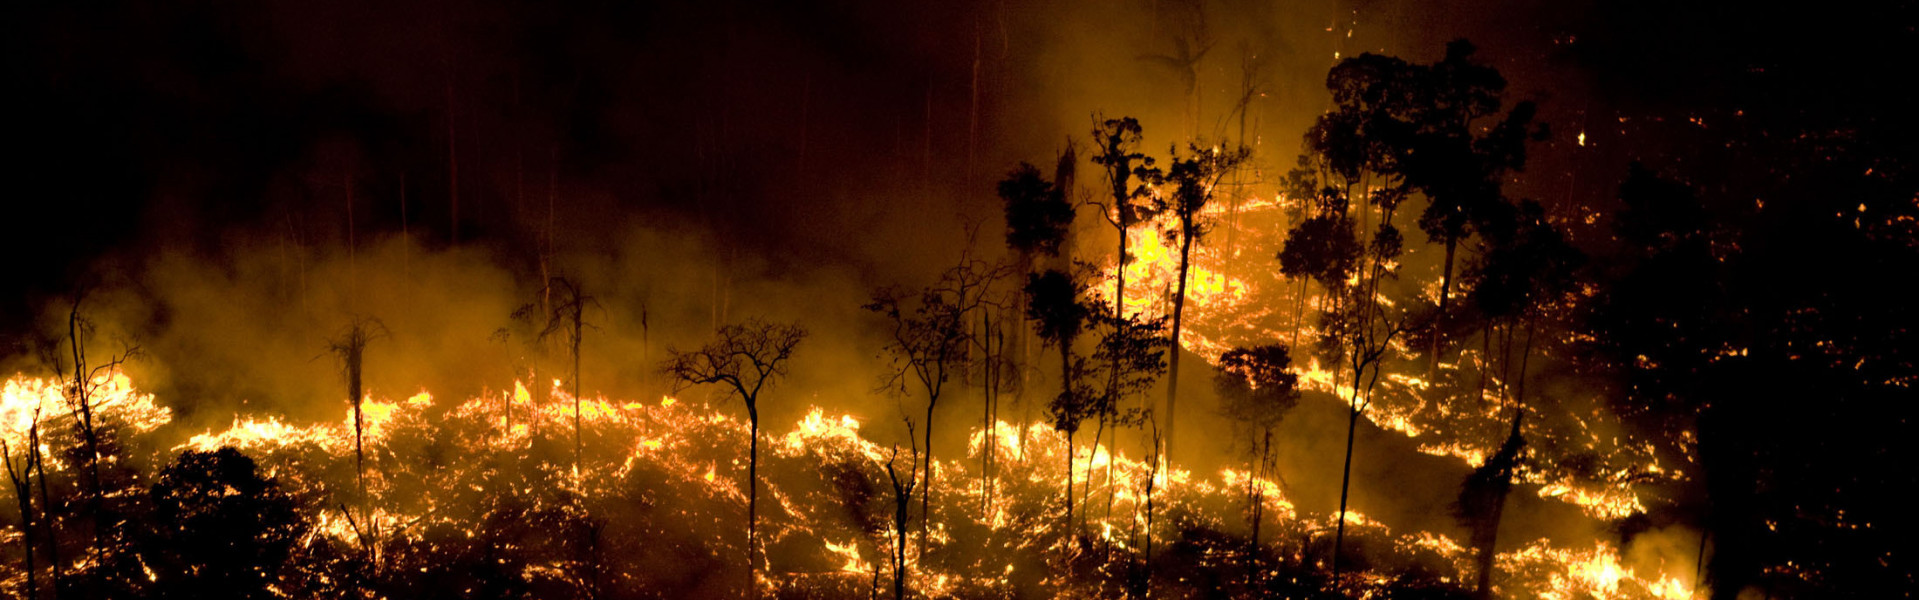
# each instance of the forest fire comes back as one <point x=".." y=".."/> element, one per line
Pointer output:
<point x="970" y="300"/>
<point x="683" y="446"/>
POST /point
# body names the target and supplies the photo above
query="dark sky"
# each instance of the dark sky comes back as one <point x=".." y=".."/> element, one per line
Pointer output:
<point x="831" y="132"/>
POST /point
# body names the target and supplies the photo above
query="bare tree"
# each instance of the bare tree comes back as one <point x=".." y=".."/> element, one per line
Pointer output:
<point x="902" y="506"/>
<point x="933" y="339"/>
<point x="20" y="475"/>
<point x="349" y="347"/>
<point x="746" y="358"/>
<point x="84" y="381"/>
<point x="566" y="322"/>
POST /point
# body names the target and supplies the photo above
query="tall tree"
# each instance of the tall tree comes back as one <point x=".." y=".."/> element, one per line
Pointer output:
<point x="1456" y="161"/>
<point x="1039" y="220"/>
<point x="1132" y="352"/>
<point x="349" y="347"/>
<point x="932" y="340"/>
<point x="1351" y="167"/>
<point x="746" y="358"/>
<point x="1130" y="204"/>
<point x="1060" y="317"/>
<point x="566" y="322"/>
<point x="97" y="442"/>
<point x="1194" y="179"/>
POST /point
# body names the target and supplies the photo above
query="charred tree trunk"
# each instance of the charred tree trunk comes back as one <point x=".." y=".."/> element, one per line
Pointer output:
<point x="1439" y="318"/>
<point x="1259" y="507"/>
<point x="353" y="352"/>
<point x="357" y="396"/>
<point x="1346" y="477"/>
<point x="752" y="501"/>
<point x="22" y="481"/>
<point x="350" y="349"/>
<point x="926" y="481"/>
<point x="1070" y="529"/>
<point x="1066" y="387"/>
<point x="1172" y="372"/>
<point x="46" y="501"/>
<point x="1482" y="502"/>
<point x="902" y="507"/>
<point x="1152" y="482"/>
<point x="82" y="398"/>
<point x="579" y="444"/>
<point x="990" y="421"/>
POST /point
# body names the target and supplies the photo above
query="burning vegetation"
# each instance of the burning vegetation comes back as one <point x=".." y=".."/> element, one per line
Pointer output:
<point x="1415" y="357"/>
<point x="658" y="503"/>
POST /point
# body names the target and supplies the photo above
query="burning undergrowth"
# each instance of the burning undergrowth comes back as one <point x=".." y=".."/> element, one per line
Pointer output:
<point x="482" y="497"/>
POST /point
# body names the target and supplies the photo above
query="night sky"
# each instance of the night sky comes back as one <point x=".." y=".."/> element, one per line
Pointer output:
<point x="805" y="127"/>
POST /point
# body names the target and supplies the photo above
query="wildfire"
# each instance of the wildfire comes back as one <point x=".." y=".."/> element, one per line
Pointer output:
<point x="270" y="434"/>
<point x="1591" y="573"/>
<point x="697" y="450"/>
<point x="1238" y="298"/>
<point x="27" y="400"/>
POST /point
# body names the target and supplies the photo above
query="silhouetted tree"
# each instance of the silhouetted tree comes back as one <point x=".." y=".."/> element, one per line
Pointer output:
<point x="902" y="503"/>
<point x="109" y="571"/>
<point x="1037" y="213"/>
<point x="1257" y="388"/>
<point x="349" y="347"/>
<point x="220" y="530"/>
<point x="747" y="357"/>
<point x="1457" y="162"/>
<point x="1194" y="179"/>
<point x="1352" y="162"/>
<point x="20" y="475"/>
<point x="1039" y="218"/>
<point x="932" y="340"/>
<point x="566" y="320"/>
<point x="1059" y="316"/>
<point x="1118" y="145"/>
<point x="1482" y="499"/>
